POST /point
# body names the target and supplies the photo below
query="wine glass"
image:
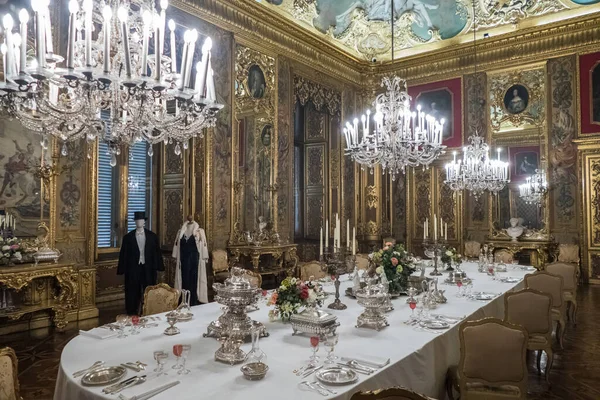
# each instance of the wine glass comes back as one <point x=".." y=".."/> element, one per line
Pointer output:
<point x="185" y="352"/>
<point x="331" y="340"/>
<point x="459" y="283"/>
<point x="161" y="359"/>
<point x="122" y="322"/>
<point x="135" y="325"/>
<point x="314" y="342"/>
<point x="469" y="289"/>
<point x="177" y="350"/>
<point x="490" y="271"/>
<point x="412" y="304"/>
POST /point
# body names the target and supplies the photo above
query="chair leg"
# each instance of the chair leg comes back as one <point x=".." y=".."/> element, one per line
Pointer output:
<point x="539" y="361"/>
<point x="574" y="311"/>
<point x="560" y="332"/>
<point x="550" y="356"/>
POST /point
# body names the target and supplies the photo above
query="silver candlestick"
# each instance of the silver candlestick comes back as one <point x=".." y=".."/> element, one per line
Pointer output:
<point x="436" y="247"/>
<point x="336" y="262"/>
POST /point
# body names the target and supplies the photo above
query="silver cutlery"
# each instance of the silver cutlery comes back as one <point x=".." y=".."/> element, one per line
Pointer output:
<point x="84" y="371"/>
<point x="131" y="366"/>
<point x="357" y="364"/>
<point x="354" y="368"/>
<point x="319" y="384"/>
<point x="116" y="388"/>
<point x="138" y="380"/>
<point x="302" y="368"/>
<point x="307" y="373"/>
<point x="316" y="389"/>
<point x="150" y="393"/>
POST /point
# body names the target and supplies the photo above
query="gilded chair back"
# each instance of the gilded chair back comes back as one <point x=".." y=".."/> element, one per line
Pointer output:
<point x="159" y="299"/>
<point x="472" y="249"/>
<point x="9" y="379"/>
<point x="362" y="261"/>
<point x="568" y="253"/>
<point x="219" y="261"/>
<point x="395" y="393"/>
<point x="254" y="278"/>
<point x="492" y="360"/>
<point x="504" y="256"/>
<point x="568" y="273"/>
<point x="530" y="309"/>
<point x="312" y="269"/>
<point x="546" y="282"/>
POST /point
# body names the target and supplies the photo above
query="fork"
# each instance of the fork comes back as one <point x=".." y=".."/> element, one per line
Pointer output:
<point x="319" y="384"/>
<point x="150" y="393"/>
<point x="84" y="371"/>
<point x="320" y="391"/>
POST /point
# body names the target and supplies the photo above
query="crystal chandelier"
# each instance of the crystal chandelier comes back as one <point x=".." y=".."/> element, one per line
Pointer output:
<point x="477" y="172"/>
<point x="534" y="188"/>
<point x="112" y="87"/>
<point x="394" y="137"/>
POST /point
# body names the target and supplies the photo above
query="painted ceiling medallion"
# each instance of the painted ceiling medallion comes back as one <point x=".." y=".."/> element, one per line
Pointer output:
<point x="361" y="26"/>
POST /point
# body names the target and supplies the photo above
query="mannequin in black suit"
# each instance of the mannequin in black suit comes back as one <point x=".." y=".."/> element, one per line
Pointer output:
<point x="140" y="268"/>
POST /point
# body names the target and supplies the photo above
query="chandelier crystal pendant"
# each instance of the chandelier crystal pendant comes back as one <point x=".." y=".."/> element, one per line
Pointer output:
<point x="394" y="137"/>
<point x="477" y="172"/>
<point x="535" y="188"/>
<point x="112" y="87"/>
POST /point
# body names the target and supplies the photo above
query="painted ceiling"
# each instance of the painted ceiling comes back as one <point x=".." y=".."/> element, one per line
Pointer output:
<point x="362" y="27"/>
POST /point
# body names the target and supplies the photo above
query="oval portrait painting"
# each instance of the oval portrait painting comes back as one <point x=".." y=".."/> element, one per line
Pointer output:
<point x="266" y="134"/>
<point x="256" y="82"/>
<point x="516" y="99"/>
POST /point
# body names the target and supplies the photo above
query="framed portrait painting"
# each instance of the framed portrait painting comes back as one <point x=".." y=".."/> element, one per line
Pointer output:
<point x="442" y="100"/>
<point x="523" y="162"/>
<point x="589" y="91"/>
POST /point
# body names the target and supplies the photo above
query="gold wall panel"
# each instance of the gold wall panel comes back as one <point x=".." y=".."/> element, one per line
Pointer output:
<point x="285" y="148"/>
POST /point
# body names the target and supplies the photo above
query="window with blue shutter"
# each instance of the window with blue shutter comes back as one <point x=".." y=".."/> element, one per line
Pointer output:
<point x="107" y="234"/>
<point x="139" y="184"/>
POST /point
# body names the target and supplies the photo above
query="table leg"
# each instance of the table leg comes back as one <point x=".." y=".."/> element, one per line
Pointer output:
<point x="255" y="261"/>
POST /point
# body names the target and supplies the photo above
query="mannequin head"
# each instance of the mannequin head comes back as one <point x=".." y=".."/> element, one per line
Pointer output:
<point x="140" y="223"/>
<point x="140" y="219"/>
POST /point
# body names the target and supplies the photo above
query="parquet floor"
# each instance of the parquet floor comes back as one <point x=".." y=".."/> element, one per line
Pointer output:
<point x="575" y="374"/>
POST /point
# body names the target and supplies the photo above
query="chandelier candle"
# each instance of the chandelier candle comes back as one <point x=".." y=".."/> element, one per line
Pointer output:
<point x="173" y="47"/>
<point x="8" y="23"/>
<point x="163" y="24"/>
<point x="184" y="56"/>
<point x="122" y="14"/>
<point x="107" y="14"/>
<point x="88" y="8"/>
<point x="203" y="70"/>
<point x="188" y="67"/>
<point x="48" y="27"/>
<point x="147" y="19"/>
<point x="157" y="46"/>
<point x="23" y="19"/>
<point x="73" y="9"/>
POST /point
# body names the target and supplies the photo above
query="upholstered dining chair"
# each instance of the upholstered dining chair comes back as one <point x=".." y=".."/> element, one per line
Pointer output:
<point x="159" y="299"/>
<point x="532" y="310"/>
<point x="492" y="360"/>
<point x="395" y="393"/>
<point x="254" y="278"/>
<point x="9" y="379"/>
<point x="362" y="261"/>
<point x="552" y="284"/>
<point x="472" y="249"/>
<point x="568" y="253"/>
<point x="504" y="256"/>
<point x="220" y="265"/>
<point x="312" y="269"/>
<point x="569" y="274"/>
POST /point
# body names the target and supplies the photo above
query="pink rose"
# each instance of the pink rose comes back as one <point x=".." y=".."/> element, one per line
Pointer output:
<point x="14" y="247"/>
<point x="386" y="248"/>
<point x="394" y="261"/>
<point x="388" y="243"/>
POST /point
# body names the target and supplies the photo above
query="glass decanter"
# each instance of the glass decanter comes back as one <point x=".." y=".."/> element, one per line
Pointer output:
<point x="256" y="355"/>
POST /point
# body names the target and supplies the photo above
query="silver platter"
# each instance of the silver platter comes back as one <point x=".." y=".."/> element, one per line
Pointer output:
<point x="103" y="376"/>
<point x="437" y="325"/>
<point x="484" y="296"/>
<point x="254" y="371"/>
<point x="336" y="376"/>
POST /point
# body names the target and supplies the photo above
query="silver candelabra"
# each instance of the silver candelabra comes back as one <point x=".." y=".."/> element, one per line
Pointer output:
<point x="336" y="262"/>
<point x="434" y="247"/>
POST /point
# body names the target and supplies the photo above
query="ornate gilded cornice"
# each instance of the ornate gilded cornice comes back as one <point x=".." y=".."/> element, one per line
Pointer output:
<point x="278" y="34"/>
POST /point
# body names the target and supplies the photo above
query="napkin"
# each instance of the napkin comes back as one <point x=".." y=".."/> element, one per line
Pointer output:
<point x="99" y="333"/>
<point x="374" y="362"/>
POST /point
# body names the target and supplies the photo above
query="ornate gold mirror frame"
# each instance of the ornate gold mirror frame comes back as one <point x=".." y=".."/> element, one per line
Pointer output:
<point x="256" y="132"/>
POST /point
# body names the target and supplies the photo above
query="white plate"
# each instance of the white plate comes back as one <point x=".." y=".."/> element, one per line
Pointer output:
<point x="336" y="376"/>
<point x="437" y="325"/>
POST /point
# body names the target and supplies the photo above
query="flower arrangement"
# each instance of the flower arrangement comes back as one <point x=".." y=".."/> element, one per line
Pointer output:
<point x="396" y="263"/>
<point x="451" y="256"/>
<point x="12" y="251"/>
<point x="291" y="295"/>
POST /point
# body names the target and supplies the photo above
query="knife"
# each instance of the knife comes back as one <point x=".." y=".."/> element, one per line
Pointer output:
<point x="311" y="371"/>
<point x="110" y="389"/>
<point x="357" y="369"/>
<point x="132" y="367"/>
<point x="138" y="379"/>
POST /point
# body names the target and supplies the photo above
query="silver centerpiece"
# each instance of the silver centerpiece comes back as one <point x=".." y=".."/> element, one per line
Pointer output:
<point x="233" y="327"/>
<point x="336" y="263"/>
<point x="372" y="297"/>
<point x="314" y="321"/>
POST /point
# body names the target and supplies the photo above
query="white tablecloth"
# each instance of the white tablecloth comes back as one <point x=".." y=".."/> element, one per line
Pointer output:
<point x="419" y="359"/>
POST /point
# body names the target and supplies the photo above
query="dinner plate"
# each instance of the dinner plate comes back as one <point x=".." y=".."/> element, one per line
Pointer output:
<point x="484" y="296"/>
<point x="511" y="279"/>
<point x="437" y="325"/>
<point x="336" y="376"/>
<point x="103" y="376"/>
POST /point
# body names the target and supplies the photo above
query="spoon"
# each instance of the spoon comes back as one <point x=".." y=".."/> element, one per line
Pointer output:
<point x="320" y="391"/>
<point x="318" y="384"/>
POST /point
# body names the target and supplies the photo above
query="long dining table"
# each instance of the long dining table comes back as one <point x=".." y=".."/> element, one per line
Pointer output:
<point x="419" y="359"/>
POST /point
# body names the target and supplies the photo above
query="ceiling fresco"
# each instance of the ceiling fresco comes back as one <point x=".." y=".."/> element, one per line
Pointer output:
<point x="362" y="27"/>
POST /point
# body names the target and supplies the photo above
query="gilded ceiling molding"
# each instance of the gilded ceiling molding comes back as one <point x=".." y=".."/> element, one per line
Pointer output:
<point x="278" y="35"/>
<point x="321" y="96"/>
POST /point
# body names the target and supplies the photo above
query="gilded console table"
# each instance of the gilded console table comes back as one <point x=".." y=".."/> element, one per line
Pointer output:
<point x="280" y="252"/>
<point x="48" y="287"/>
<point x="541" y="252"/>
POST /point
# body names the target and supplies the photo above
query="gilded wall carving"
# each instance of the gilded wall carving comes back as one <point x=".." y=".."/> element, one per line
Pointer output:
<point x="319" y="95"/>
<point x="447" y="205"/>
<point x="517" y="99"/>
<point x="422" y="199"/>
<point x="563" y="128"/>
<point x="492" y="14"/>
<point x="252" y="92"/>
<point x="70" y="190"/>
<point x="173" y="215"/>
<point x="371" y="197"/>
<point x="475" y="100"/>
<point x="285" y="138"/>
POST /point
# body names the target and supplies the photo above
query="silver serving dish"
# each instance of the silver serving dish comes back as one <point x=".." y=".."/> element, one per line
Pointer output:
<point x="234" y="326"/>
<point x="255" y="371"/>
<point x="46" y="254"/>
<point x="314" y="321"/>
<point x="336" y="376"/>
<point x="373" y="297"/>
<point x="435" y="324"/>
<point x="103" y="376"/>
